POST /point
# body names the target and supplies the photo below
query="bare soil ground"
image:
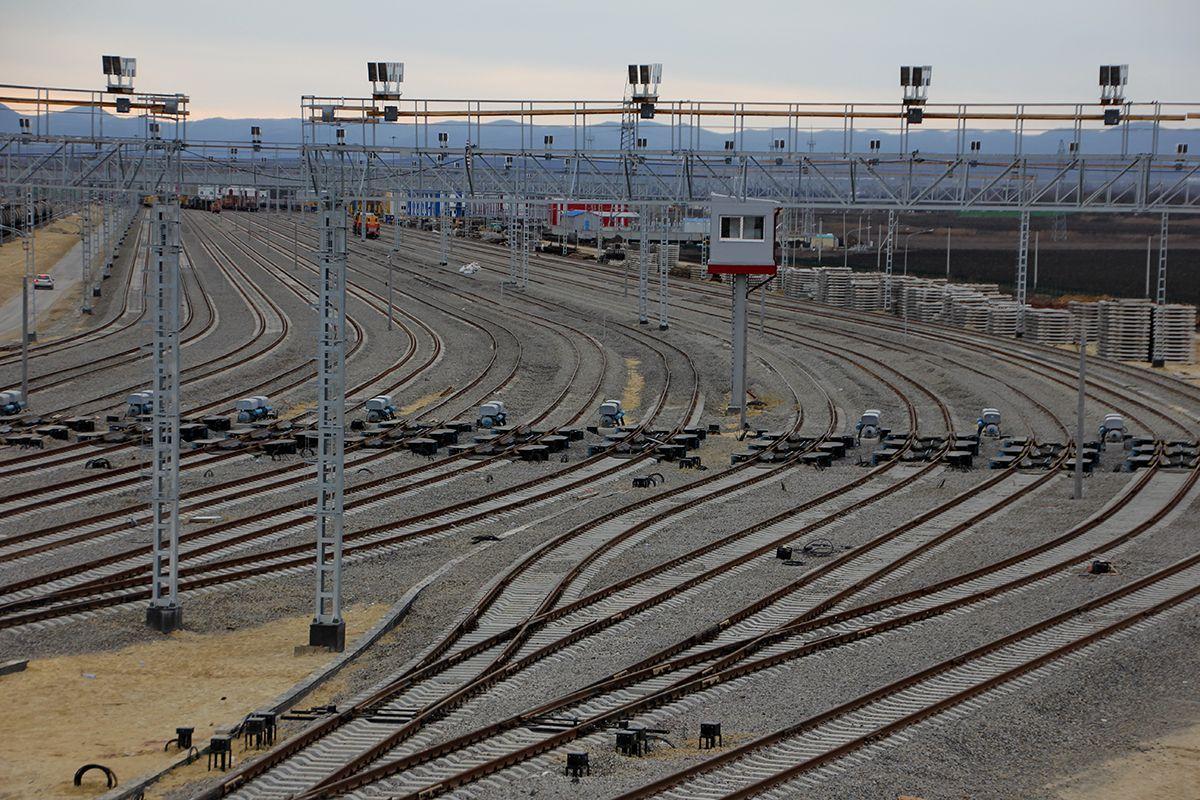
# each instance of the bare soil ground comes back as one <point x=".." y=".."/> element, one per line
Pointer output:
<point x="125" y="704"/>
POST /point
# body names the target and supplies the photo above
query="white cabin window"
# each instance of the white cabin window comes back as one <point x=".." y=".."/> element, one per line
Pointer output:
<point x="742" y="228"/>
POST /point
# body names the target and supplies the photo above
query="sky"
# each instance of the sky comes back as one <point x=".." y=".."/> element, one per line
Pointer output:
<point x="255" y="58"/>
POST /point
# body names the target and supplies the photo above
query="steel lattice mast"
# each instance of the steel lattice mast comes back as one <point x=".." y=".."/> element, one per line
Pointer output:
<point x="165" y="612"/>
<point x="328" y="628"/>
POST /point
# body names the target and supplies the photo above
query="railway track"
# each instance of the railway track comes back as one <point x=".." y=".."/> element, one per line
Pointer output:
<point x="344" y="786"/>
<point x="778" y="764"/>
<point x="469" y="653"/>
<point x="1033" y="358"/>
<point x="22" y="594"/>
<point x="686" y="673"/>
<point x="398" y="740"/>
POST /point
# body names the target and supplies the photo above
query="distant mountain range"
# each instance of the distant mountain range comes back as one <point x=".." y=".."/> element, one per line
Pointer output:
<point x="507" y="135"/>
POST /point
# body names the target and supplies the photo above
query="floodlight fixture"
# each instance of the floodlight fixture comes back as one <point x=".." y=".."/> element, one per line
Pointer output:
<point x="120" y="72"/>
<point x="1112" y="116"/>
<point x="1113" y="79"/>
<point x="643" y="82"/>
<point x="391" y="113"/>
<point x="915" y="81"/>
<point x="123" y="105"/>
<point x="385" y="77"/>
<point x="170" y="106"/>
<point x="915" y="115"/>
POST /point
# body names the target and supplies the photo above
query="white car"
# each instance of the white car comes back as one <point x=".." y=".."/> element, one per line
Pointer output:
<point x="43" y="282"/>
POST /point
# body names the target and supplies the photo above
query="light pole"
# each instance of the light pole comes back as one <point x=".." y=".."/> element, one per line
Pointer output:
<point x="947" y="252"/>
<point x="26" y="241"/>
<point x="906" y="238"/>
<point x="846" y="243"/>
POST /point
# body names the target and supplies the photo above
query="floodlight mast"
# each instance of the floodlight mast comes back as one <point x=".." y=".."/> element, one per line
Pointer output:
<point x="164" y="612"/>
<point x="328" y="627"/>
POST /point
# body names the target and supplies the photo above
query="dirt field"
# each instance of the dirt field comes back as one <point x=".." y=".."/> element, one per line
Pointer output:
<point x="125" y="704"/>
<point x="1165" y="769"/>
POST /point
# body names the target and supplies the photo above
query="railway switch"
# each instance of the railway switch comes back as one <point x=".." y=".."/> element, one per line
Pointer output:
<point x="253" y="409"/>
<point x="868" y="425"/>
<point x="492" y="415"/>
<point x="988" y="423"/>
<point x="380" y="408"/>
<point x="140" y="404"/>
<point x="11" y="403"/>
<point x="1112" y="429"/>
<point x="611" y="414"/>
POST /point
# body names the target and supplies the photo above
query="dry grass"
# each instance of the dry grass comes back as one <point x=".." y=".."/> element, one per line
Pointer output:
<point x="297" y="410"/>
<point x="635" y="384"/>
<point x="119" y="708"/>
<point x="424" y="400"/>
